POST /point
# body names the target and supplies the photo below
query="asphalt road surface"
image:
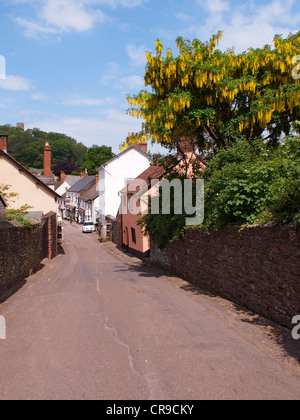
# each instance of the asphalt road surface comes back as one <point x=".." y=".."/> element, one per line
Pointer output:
<point x="96" y="324"/>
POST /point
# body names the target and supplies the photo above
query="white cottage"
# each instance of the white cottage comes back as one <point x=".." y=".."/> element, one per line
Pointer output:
<point x="115" y="174"/>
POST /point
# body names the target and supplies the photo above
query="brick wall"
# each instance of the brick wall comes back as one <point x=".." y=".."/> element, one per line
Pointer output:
<point x="117" y="230"/>
<point x="20" y="253"/>
<point x="258" y="268"/>
<point x="50" y="235"/>
<point x="22" y="249"/>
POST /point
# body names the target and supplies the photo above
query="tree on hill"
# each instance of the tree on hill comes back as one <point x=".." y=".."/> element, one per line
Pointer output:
<point x="67" y="154"/>
<point x="67" y="167"/>
<point x="96" y="156"/>
<point x="216" y="97"/>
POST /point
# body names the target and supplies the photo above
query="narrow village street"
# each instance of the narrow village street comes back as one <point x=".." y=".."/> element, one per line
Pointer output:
<point x="97" y="324"/>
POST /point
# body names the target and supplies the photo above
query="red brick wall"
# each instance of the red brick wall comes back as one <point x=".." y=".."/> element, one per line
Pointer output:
<point x="20" y="253"/>
<point x="22" y="249"/>
<point x="50" y="249"/>
<point x="258" y="268"/>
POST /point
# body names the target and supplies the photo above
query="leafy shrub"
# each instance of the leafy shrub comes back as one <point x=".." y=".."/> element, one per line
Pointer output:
<point x="248" y="184"/>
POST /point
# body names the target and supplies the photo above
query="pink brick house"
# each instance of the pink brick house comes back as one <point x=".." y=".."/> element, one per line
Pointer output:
<point x="133" y="237"/>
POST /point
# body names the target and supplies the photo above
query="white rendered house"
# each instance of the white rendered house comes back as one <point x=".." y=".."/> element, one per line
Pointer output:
<point x="115" y="175"/>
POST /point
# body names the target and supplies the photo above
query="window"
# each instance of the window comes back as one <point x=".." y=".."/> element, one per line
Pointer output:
<point x="133" y="235"/>
<point x="124" y="197"/>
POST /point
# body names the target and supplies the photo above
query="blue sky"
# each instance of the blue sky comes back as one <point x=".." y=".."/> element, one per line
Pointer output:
<point x="71" y="63"/>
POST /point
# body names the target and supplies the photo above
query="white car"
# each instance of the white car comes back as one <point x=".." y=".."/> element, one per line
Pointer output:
<point x="88" y="227"/>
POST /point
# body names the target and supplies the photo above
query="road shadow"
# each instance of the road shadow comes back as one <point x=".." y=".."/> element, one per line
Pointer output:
<point x="60" y="250"/>
<point x="269" y="330"/>
<point x="280" y="335"/>
<point x="10" y="291"/>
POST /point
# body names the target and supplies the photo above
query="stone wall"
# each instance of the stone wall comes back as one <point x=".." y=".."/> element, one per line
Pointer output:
<point x="20" y="253"/>
<point x="50" y="235"/>
<point x="257" y="268"/>
<point x="22" y="249"/>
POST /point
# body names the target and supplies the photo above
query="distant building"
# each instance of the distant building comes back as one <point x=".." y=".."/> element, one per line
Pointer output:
<point x="21" y="126"/>
<point x="89" y="201"/>
<point x="61" y="188"/>
<point x="74" y="205"/>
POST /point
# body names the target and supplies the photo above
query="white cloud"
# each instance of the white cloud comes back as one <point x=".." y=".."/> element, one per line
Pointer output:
<point x="244" y="24"/>
<point x="69" y="15"/>
<point x="133" y="82"/>
<point x="54" y="17"/>
<point x="73" y="99"/>
<point x="15" y="83"/>
<point x="215" y="6"/>
<point x="110" y="128"/>
<point x="137" y="54"/>
<point x="116" y="78"/>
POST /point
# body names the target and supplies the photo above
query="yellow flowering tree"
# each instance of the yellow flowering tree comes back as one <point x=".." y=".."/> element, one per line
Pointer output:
<point x="212" y="96"/>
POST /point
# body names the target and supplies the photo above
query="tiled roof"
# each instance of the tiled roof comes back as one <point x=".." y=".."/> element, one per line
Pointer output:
<point x="91" y="194"/>
<point x="82" y="184"/>
<point x="47" y="180"/>
<point x="32" y="177"/>
<point x="121" y="154"/>
<point x="153" y="172"/>
<point x="70" y="180"/>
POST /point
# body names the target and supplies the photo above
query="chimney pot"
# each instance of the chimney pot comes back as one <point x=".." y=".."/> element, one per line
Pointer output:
<point x="143" y="146"/>
<point x="186" y="145"/>
<point x="3" y="142"/>
<point x="63" y="176"/>
<point x="85" y="173"/>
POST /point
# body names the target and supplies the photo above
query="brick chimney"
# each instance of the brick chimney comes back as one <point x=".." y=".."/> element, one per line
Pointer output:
<point x="97" y="179"/>
<point x="85" y="173"/>
<point x="143" y="146"/>
<point x="3" y="142"/>
<point x="186" y="145"/>
<point x="63" y="176"/>
<point x="47" y="160"/>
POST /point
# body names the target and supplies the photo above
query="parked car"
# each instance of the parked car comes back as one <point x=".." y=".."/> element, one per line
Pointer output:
<point x="88" y="227"/>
